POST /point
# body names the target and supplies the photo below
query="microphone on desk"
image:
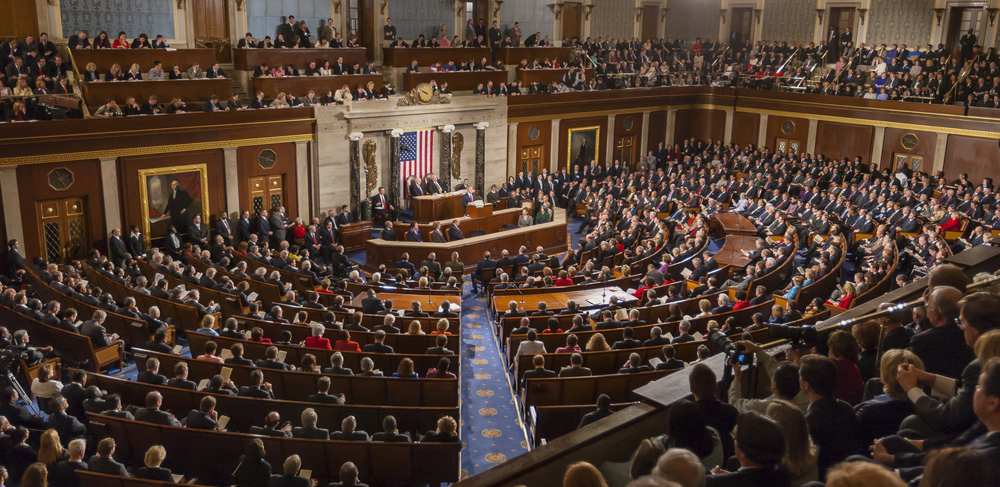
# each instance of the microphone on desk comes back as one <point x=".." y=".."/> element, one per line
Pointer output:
<point x="519" y="292"/>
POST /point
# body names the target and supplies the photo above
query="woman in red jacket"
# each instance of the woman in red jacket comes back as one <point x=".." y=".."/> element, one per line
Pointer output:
<point x="953" y="223"/>
<point x="317" y="340"/>
<point x="344" y="343"/>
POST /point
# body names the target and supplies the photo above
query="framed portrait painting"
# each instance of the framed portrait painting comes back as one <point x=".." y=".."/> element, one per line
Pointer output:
<point x="172" y="196"/>
<point x="584" y="144"/>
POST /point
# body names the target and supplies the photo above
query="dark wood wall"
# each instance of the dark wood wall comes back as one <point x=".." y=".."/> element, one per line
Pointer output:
<point x="247" y="160"/>
<point x="700" y="124"/>
<point x="657" y="130"/>
<point x="33" y="186"/>
<point x="839" y="140"/>
<point x="544" y="140"/>
<point x="977" y="156"/>
<point x="129" y="183"/>
<point x="892" y="143"/>
<point x="775" y="125"/>
<point x="635" y="130"/>
<point x="20" y="19"/>
<point x="746" y="127"/>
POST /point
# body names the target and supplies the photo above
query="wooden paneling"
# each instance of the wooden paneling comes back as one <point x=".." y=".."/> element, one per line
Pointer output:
<point x="634" y="132"/>
<point x="657" y="130"/>
<point x="700" y="124"/>
<point x="572" y="17"/>
<point x="300" y="85"/>
<point x="977" y="156"/>
<point x="457" y="80"/>
<point x="746" y="127"/>
<point x="543" y="143"/>
<point x="774" y="131"/>
<point x="246" y="160"/>
<point x="249" y="59"/>
<point x="566" y="125"/>
<point x="128" y="181"/>
<point x="192" y="92"/>
<point x="893" y="144"/>
<point x="839" y="140"/>
<point x="33" y="186"/>
<point x="210" y="18"/>
<point x="20" y="19"/>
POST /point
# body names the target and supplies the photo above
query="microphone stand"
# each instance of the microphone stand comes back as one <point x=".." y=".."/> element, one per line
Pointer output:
<point x="519" y="292"/>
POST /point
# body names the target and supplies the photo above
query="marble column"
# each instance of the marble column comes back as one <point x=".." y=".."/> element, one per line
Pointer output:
<point x="512" y="149"/>
<point x="609" y="149"/>
<point x="109" y="185"/>
<point x="481" y="157"/>
<point x="728" y="136"/>
<point x="811" y="138"/>
<point x="355" y="179"/>
<point x="302" y="177"/>
<point x="671" y="127"/>
<point x="554" y="159"/>
<point x="762" y="131"/>
<point x="11" y="203"/>
<point x="232" y="183"/>
<point x="394" y="143"/>
<point x="877" y="144"/>
<point x="644" y="140"/>
<point x="446" y="142"/>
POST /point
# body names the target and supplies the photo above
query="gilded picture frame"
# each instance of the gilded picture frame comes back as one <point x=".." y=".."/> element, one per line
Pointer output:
<point x="156" y="200"/>
<point x="591" y="136"/>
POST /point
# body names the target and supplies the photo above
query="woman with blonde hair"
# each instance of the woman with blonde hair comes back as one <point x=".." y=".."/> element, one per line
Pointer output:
<point x="445" y="432"/>
<point x="45" y="385"/>
<point x="91" y="73"/>
<point x="988" y="346"/>
<point x="22" y="88"/>
<point x="423" y="283"/>
<point x="415" y="328"/>
<point x="801" y="454"/>
<point x="280" y="101"/>
<point x="50" y="450"/>
<point x="153" y="459"/>
<point x="597" y="343"/>
<point x="583" y="474"/>
<point x="706" y="308"/>
<point x="133" y="73"/>
<point x="115" y="73"/>
<point x="862" y="474"/>
<point x="882" y="415"/>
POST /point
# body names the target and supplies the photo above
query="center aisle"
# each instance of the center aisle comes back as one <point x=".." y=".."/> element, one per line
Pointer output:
<point x="492" y="431"/>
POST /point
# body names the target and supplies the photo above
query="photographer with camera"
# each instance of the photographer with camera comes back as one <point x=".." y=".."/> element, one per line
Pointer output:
<point x="784" y="382"/>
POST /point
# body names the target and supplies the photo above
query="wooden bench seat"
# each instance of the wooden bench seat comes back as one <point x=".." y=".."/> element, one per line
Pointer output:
<point x="585" y="390"/>
<point x="72" y="346"/>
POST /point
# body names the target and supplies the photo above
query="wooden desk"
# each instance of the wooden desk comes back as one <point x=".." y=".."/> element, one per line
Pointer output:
<point x="475" y="212"/>
<point x="300" y="85"/>
<point x="104" y="58"/>
<point x="556" y="301"/>
<point x="735" y="224"/>
<point x="429" y="302"/>
<point x="249" y="59"/>
<point x="354" y="236"/>
<point x="550" y="236"/>
<point x="730" y="253"/>
<point x="192" y="92"/>
<point x="401" y="57"/>
<point x="546" y="76"/>
<point x="514" y="55"/>
<point x="457" y="80"/>
<point x="433" y="208"/>
<point x="468" y="223"/>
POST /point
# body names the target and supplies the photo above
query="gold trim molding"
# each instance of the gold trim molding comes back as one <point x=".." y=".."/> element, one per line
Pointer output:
<point x="873" y="123"/>
<point x="604" y="113"/>
<point x="160" y="149"/>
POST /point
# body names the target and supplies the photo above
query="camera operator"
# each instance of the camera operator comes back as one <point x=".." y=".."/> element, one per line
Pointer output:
<point x="784" y="382"/>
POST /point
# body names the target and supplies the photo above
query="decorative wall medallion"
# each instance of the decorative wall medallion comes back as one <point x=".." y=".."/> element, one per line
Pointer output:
<point x="910" y="141"/>
<point x="627" y="123"/>
<point x="60" y="179"/>
<point x="267" y="159"/>
<point x="788" y="127"/>
<point x="533" y="133"/>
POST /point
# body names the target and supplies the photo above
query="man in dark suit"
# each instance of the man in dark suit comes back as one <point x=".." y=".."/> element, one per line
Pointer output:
<point x="245" y="227"/>
<point x="68" y="427"/>
<point x="576" y="368"/>
<point x="270" y="361"/>
<point x="440" y="347"/>
<point x="454" y="232"/>
<point x="75" y="393"/>
<point x="760" y="439"/>
<point x="116" y="247"/>
<point x="309" y="429"/>
<point x="379" y="346"/>
<point x="151" y="375"/>
<point x="372" y="304"/>
<point x="205" y="417"/>
<point x="224" y="229"/>
<point x="833" y="426"/>
<point x="104" y="462"/>
<point x="628" y="342"/>
<point x="13" y="261"/>
<point x="273" y="427"/>
<point x="348" y="432"/>
<point x="257" y="388"/>
<point x="152" y="414"/>
<point x="477" y="275"/>
<point x="413" y="234"/>
<point x="390" y="433"/>
<point x="942" y="348"/>
<point x="180" y="379"/>
<point x="381" y="205"/>
<point x="539" y="372"/>
<point x="670" y="363"/>
<point x="634" y="365"/>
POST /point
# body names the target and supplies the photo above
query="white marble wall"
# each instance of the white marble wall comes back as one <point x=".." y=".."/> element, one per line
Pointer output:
<point x="377" y="119"/>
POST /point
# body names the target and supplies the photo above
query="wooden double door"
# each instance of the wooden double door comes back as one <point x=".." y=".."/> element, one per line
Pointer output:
<point x="62" y="229"/>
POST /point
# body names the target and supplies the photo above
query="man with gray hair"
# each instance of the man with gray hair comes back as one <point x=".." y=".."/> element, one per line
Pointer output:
<point x="64" y="472"/>
<point x="94" y="329"/>
<point x="308" y="428"/>
<point x="942" y="348"/>
<point x="681" y="466"/>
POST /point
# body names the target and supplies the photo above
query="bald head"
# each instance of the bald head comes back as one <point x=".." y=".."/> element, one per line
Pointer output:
<point x="942" y="305"/>
<point x="681" y="466"/>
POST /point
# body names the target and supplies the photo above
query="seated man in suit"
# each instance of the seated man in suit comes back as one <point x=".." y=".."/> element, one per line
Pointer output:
<point x="308" y="428"/>
<point x="381" y="207"/>
<point x="205" y="417"/>
<point x="486" y="263"/>
<point x="347" y="431"/>
<point x="539" y="372"/>
<point x="180" y="379"/>
<point x="670" y="363"/>
<point x="440" y="347"/>
<point x="151" y="375"/>
<point x="379" y="346"/>
<point x="445" y="311"/>
<point x="454" y="231"/>
<point x="104" y="462"/>
<point x="257" y="388"/>
<point x="323" y="395"/>
<point x="272" y="426"/>
<point x="152" y="414"/>
<point x="576" y="368"/>
<point x="762" y="449"/>
<point x="634" y="365"/>
<point x="684" y="336"/>
<point x="371" y="304"/>
<point x="416" y="312"/>
<point x="390" y="433"/>
<point x="68" y="426"/>
<point x="628" y="342"/>
<point x="270" y="361"/>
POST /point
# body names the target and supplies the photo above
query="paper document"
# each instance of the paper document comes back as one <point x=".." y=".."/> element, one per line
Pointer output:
<point x="177" y="349"/>
<point x="198" y="275"/>
<point x="306" y="474"/>
<point x="686" y="273"/>
<point x="176" y="478"/>
<point x="252" y="297"/>
<point x="654" y="362"/>
<point x="281" y="356"/>
<point x="226" y="353"/>
<point x="157" y="277"/>
<point x="669" y="336"/>
<point x="225" y="373"/>
<point x="698" y="336"/>
<point x="223" y="421"/>
<point x="203" y="384"/>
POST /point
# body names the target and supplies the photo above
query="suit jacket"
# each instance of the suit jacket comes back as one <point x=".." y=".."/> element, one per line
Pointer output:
<point x="575" y="372"/>
<point x="536" y="374"/>
<point x="835" y="430"/>
<point x="67" y="426"/>
<point x="147" y="377"/>
<point x="107" y="466"/>
<point x="391" y="437"/>
<point x="199" y="420"/>
<point x="156" y="416"/>
<point x="372" y="305"/>
<point x="311" y="432"/>
<point x="943" y="350"/>
<point x="455" y="233"/>
<point x="751" y="477"/>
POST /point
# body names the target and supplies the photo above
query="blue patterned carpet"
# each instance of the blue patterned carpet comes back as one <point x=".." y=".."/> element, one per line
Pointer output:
<point x="492" y="431"/>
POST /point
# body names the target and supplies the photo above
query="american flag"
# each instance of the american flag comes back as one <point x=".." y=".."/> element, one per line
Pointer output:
<point x="416" y="156"/>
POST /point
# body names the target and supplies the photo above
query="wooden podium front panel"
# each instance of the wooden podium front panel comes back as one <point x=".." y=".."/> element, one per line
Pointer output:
<point x="484" y="212"/>
<point x="401" y="57"/>
<point x="249" y="59"/>
<point x="354" y="236"/>
<point x="427" y="209"/>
